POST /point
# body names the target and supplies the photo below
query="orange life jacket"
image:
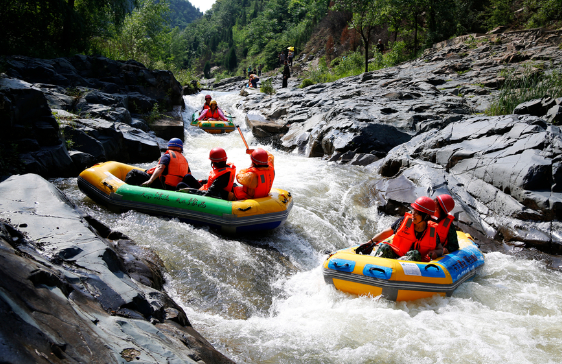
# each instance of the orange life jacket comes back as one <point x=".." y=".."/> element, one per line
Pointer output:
<point x="212" y="115"/>
<point x="405" y="238"/>
<point x="216" y="173"/>
<point x="265" y="175"/>
<point x="443" y="229"/>
<point x="177" y="169"/>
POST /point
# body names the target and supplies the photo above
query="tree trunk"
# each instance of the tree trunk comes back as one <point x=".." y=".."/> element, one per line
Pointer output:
<point x="67" y="27"/>
<point x="366" y="44"/>
<point x="415" y="34"/>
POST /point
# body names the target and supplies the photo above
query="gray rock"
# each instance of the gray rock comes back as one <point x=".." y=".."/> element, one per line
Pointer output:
<point x="73" y="299"/>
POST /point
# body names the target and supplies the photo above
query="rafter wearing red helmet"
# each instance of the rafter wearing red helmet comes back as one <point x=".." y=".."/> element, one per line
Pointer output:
<point x="257" y="180"/>
<point x="220" y="181"/>
<point x="444" y="205"/>
<point x="415" y="235"/>
<point x="207" y="104"/>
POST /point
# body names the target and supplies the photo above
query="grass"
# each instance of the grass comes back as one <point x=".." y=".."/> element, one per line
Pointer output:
<point x="523" y="87"/>
<point x="353" y="64"/>
<point x="267" y="87"/>
<point x="155" y="114"/>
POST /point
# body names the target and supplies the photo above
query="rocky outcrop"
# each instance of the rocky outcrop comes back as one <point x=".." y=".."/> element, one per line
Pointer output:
<point x="73" y="291"/>
<point x="503" y="172"/>
<point x="376" y="111"/>
<point x="65" y="114"/>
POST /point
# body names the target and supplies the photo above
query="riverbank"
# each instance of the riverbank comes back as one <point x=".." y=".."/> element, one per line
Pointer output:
<point x="74" y="291"/>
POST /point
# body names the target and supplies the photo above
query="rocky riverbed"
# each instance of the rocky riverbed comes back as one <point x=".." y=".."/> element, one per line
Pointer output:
<point x="73" y="290"/>
<point x="421" y="125"/>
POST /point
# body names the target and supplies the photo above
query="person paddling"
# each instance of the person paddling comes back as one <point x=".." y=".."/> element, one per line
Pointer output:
<point x="213" y="113"/>
<point x="415" y="236"/>
<point x="447" y="232"/>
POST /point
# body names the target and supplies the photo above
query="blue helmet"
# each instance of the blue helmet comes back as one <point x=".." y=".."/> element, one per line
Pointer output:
<point x="175" y="142"/>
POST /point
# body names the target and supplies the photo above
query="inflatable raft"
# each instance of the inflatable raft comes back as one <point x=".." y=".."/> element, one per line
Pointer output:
<point x="104" y="184"/>
<point x="398" y="280"/>
<point x="213" y="126"/>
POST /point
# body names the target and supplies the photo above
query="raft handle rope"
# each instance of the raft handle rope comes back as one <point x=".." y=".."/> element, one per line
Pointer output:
<point x="246" y="209"/>
<point x="336" y="265"/>
<point x="284" y="200"/>
<point x="108" y="185"/>
<point x="432" y="265"/>
<point x="377" y="269"/>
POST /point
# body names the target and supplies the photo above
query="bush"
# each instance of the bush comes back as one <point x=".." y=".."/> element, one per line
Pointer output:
<point x="306" y="82"/>
<point x="529" y="85"/>
<point x="267" y="87"/>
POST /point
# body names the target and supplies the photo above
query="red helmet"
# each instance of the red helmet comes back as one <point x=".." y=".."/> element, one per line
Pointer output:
<point x="208" y="97"/>
<point x="217" y="155"/>
<point x="424" y="204"/>
<point x="446" y="202"/>
<point x="259" y="156"/>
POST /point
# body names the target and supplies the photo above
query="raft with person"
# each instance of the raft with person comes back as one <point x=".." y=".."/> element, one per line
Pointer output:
<point x="399" y="280"/>
<point x="104" y="183"/>
<point x="213" y="126"/>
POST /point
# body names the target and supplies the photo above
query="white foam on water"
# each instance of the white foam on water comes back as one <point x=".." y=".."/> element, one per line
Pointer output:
<point x="262" y="298"/>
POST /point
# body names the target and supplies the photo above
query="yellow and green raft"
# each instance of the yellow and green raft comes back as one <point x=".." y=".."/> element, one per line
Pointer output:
<point x="399" y="280"/>
<point x="104" y="184"/>
<point x="213" y="126"/>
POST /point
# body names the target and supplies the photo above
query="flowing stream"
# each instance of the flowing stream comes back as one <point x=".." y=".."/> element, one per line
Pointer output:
<point x="262" y="298"/>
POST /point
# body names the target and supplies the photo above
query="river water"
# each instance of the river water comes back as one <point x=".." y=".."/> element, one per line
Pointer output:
<point x="262" y="298"/>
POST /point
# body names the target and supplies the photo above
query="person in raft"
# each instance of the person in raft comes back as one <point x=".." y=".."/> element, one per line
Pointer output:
<point x="221" y="178"/>
<point x="447" y="232"/>
<point x="415" y="236"/>
<point x="213" y="113"/>
<point x="171" y="169"/>
<point x="257" y="180"/>
<point x="207" y="104"/>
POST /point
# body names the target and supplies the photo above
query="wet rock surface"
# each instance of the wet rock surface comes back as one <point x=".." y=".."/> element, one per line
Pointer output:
<point x="73" y="291"/>
<point x="503" y="173"/>
<point x="64" y="114"/>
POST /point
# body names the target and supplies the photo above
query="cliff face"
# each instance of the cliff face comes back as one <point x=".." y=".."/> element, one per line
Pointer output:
<point x="73" y="291"/>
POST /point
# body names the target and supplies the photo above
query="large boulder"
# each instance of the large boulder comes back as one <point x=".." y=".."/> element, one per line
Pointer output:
<point x="73" y="291"/>
<point x="503" y="171"/>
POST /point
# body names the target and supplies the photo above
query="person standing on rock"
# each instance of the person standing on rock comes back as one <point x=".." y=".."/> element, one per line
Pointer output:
<point x="380" y="47"/>
<point x="290" y="58"/>
<point x="286" y="75"/>
<point x="171" y="169"/>
<point x="257" y="180"/>
<point x="415" y="236"/>
<point x="260" y="67"/>
<point x="447" y="232"/>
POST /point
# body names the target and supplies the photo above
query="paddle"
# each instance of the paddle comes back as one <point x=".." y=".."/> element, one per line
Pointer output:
<point x="243" y="139"/>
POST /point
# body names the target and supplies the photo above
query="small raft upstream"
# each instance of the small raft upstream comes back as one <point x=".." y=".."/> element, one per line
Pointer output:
<point x="213" y="126"/>
<point x="398" y="280"/>
<point x="104" y="183"/>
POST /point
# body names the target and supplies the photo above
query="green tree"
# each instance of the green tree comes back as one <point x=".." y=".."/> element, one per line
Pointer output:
<point x="207" y="70"/>
<point x="366" y="16"/>
<point x="231" y="61"/>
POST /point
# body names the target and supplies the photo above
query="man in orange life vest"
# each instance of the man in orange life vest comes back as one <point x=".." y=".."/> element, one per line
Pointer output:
<point x="207" y="103"/>
<point x="415" y="236"/>
<point x="221" y="178"/>
<point x="213" y="113"/>
<point x="170" y="171"/>
<point x="257" y="180"/>
<point x="447" y="232"/>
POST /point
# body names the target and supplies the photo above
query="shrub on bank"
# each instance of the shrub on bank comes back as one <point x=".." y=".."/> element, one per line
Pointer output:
<point x="267" y="87"/>
<point x="306" y="82"/>
<point x="529" y="85"/>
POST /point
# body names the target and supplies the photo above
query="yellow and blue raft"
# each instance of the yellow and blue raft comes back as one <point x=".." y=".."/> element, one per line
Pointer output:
<point x="399" y="280"/>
